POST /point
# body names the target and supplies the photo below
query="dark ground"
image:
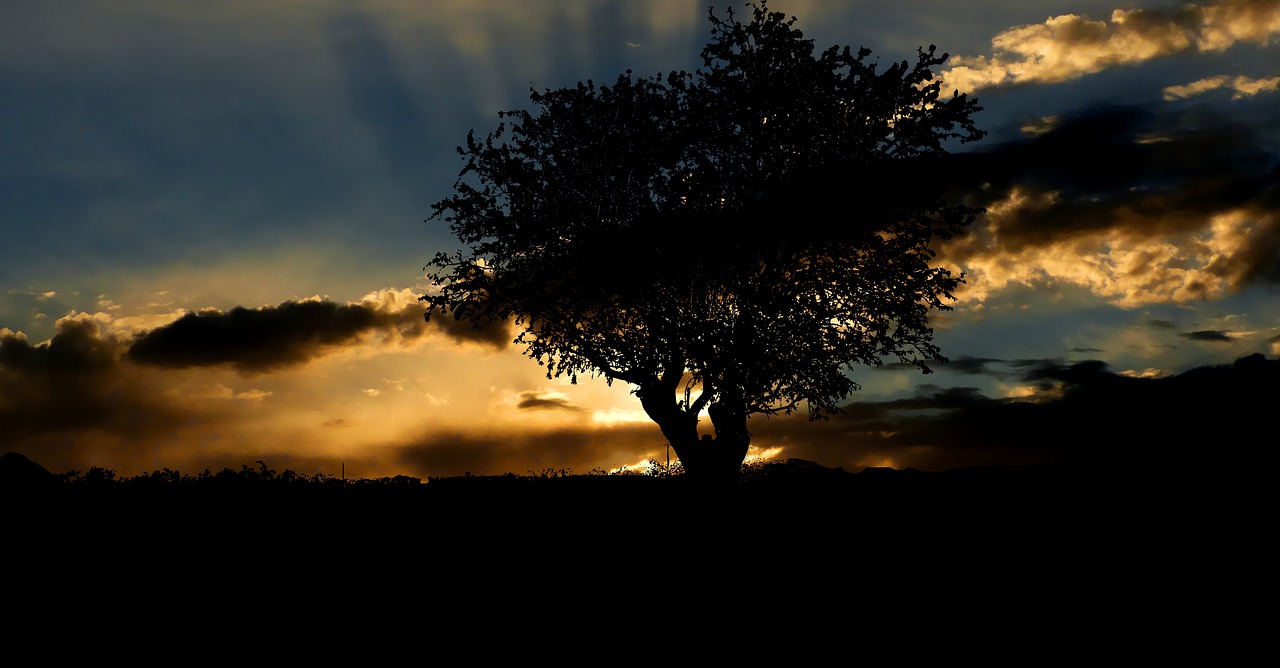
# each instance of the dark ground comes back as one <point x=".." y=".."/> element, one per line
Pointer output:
<point x="794" y="556"/>
<point x="772" y="511"/>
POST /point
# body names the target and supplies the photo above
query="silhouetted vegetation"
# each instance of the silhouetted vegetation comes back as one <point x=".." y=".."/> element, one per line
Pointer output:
<point x="733" y="240"/>
<point x="260" y="483"/>
<point x="542" y="535"/>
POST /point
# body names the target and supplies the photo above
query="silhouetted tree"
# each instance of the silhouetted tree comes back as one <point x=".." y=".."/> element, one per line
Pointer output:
<point x="734" y="239"/>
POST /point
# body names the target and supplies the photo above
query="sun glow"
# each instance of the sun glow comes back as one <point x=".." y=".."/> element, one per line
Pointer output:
<point x="612" y="416"/>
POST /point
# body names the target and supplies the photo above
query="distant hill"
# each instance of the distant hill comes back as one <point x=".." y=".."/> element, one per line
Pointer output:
<point x="18" y="471"/>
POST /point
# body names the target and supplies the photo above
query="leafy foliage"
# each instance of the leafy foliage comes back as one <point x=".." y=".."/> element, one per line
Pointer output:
<point x="741" y="236"/>
<point x="670" y="224"/>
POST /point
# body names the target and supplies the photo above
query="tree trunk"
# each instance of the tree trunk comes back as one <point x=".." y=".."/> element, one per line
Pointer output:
<point x="711" y="461"/>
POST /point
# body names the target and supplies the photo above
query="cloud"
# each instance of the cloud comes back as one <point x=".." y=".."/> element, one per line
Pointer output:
<point x="1070" y="45"/>
<point x="1082" y="414"/>
<point x="270" y="338"/>
<point x="963" y="365"/>
<point x="1137" y="206"/>
<point x="105" y="391"/>
<point x="255" y="340"/>
<point x="971" y="365"/>
<point x="75" y="383"/>
<point x="541" y="401"/>
<point x="1241" y="85"/>
<point x="80" y="400"/>
<point x="76" y="399"/>
<point x="1149" y="372"/>
<point x="76" y="350"/>
<point x="1214" y="335"/>
<point x="219" y="392"/>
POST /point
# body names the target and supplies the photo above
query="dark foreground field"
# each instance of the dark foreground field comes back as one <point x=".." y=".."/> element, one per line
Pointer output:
<point x="626" y="556"/>
<point x="775" y="509"/>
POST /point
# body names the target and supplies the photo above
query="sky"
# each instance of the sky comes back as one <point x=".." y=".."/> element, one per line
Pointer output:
<point x="213" y="232"/>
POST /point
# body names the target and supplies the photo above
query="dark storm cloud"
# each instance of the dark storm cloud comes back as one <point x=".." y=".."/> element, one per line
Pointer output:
<point x="935" y="430"/>
<point x="933" y="397"/>
<point x="1215" y="335"/>
<point x="61" y="385"/>
<point x="255" y="340"/>
<point x="76" y="350"/>
<point x="971" y="365"/>
<point x="1161" y="324"/>
<point x="1212" y="413"/>
<point x="275" y="337"/>
<point x="73" y="382"/>
<point x="1052" y="370"/>
<point x="977" y="366"/>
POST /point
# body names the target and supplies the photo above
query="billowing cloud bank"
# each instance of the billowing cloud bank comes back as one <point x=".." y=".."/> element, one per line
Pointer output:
<point x="1070" y="46"/>
<point x="1135" y="205"/>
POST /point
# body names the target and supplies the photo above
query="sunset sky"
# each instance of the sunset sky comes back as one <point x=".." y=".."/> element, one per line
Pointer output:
<point x="269" y="166"/>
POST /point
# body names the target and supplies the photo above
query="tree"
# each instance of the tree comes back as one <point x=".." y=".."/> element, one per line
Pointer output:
<point x="735" y="239"/>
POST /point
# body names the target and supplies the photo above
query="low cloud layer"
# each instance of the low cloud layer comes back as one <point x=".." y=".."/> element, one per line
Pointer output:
<point x="1082" y="413"/>
<point x="1071" y="45"/>
<point x="77" y="398"/>
<point x="99" y="391"/>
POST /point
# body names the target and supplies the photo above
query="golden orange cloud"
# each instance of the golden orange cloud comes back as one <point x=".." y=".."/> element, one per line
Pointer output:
<point x="1127" y="266"/>
<point x="1241" y="86"/>
<point x="1070" y="45"/>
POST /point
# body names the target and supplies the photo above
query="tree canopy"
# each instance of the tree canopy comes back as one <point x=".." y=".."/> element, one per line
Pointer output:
<point x="736" y="239"/>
